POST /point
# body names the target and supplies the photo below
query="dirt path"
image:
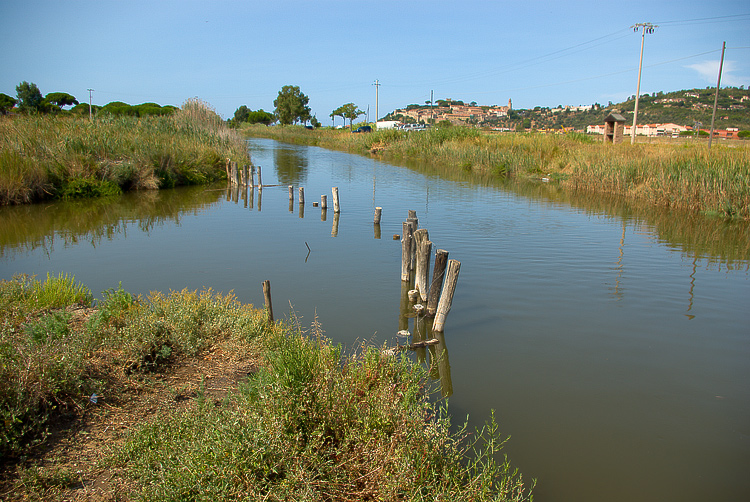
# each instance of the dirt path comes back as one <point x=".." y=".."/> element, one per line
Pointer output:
<point x="69" y="465"/>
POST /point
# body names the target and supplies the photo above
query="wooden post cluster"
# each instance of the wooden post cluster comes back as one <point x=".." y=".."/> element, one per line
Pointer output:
<point x="416" y="250"/>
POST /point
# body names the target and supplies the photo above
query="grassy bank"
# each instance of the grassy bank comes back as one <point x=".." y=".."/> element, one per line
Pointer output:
<point x="688" y="176"/>
<point x="43" y="157"/>
<point x="309" y="423"/>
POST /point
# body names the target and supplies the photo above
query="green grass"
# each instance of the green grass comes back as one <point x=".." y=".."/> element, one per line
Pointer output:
<point x="687" y="176"/>
<point x="71" y="157"/>
<point x="315" y="425"/>
<point x="312" y="424"/>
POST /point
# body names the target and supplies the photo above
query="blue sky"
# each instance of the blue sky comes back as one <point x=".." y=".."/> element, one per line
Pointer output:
<point x="232" y="53"/>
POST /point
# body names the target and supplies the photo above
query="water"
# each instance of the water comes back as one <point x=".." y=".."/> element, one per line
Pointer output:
<point x="612" y="340"/>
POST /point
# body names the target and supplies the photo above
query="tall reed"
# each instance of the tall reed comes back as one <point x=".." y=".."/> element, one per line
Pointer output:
<point x="68" y="157"/>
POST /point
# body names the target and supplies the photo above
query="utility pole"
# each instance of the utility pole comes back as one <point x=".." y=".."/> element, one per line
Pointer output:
<point x="645" y="28"/>
<point x="90" y="116"/>
<point x="716" y="96"/>
<point x="377" y="88"/>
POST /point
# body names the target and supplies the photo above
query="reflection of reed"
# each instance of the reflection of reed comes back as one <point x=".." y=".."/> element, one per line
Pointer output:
<point x="716" y="241"/>
<point x="93" y="220"/>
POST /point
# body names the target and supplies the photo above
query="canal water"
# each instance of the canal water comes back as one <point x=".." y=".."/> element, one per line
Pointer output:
<point x="612" y="340"/>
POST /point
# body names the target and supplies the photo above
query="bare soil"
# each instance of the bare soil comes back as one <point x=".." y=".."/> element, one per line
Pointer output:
<point x="69" y="466"/>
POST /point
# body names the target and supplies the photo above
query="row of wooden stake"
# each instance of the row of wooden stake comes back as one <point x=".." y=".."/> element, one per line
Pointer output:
<point x="323" y="198"/>
<point x="244" y="176"/>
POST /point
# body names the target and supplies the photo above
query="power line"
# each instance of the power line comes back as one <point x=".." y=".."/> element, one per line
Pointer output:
<point x="701" y="20"/>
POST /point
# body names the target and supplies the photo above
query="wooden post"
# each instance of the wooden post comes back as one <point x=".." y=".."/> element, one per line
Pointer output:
<point x="251" y="179"/>
<point x="413" y="216"/>
<point x="441" y="259"/>
<point x="423" y="267"/>
<point x="446" y="297"/>
<point x="291" y="193"/>
<point x="336" y="208"/>
<point x="233" y="172"/>
<point x="406" y="244"/>
<point x="324" y="202"/>
<point x="301" y="210"/>
<point x="378" y="213"/>
<point x="301" y="195"/>
<point x="404" y="308"/>
<point x="414" y="229"/>
<point x="244" y="175"/>
<point x="267" y="296"/>
<point x="260" y="183"/>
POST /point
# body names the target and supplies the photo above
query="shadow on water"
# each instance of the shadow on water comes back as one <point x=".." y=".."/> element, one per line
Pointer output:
<point x="715" y="241"/>
<point x="32" y="226"/>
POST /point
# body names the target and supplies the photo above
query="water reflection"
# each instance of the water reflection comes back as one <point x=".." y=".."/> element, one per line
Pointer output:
<point x="290" y="165"/>
<point x="421" y="332"/>
<point x="43" y="225"/>
<point x="719" y="243"/>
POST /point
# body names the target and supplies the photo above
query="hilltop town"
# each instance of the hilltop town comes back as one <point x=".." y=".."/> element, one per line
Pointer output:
<point x="659" y="114"/>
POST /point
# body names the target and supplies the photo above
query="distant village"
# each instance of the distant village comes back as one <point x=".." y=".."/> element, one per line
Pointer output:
<point x="455" y="113"/>
<point x="504" y="118"/>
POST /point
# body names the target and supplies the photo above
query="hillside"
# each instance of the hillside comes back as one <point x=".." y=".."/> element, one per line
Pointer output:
<point x="684" y="107"/>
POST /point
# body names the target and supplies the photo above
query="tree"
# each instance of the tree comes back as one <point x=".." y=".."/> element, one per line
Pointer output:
<point x="241" y="114"/>
<point x="291" y="105"/>
<point x="338" y="112"/>
<point x="260" y="117"/>
<point x="60" y="99"/>
<point x="348" y="111"/>
<point x="29" y="97"/>
<point x="6" y="103"/>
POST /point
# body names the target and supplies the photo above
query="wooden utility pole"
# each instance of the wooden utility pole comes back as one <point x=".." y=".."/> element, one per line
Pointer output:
<point x="716" y="96"/>
<point x="644" y="27"/>
<point x="377" y="88"/>
<point x="91" y="117"/>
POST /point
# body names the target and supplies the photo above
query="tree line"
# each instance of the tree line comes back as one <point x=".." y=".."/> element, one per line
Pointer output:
<point x="29" y="100"/>
<point x="291" y="107"/>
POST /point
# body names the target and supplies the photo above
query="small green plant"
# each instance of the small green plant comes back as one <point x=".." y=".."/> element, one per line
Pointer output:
<point x="60" y="291"/>
<point x="50" y="327"/>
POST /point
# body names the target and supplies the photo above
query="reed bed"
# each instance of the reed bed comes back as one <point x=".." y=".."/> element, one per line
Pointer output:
<point x="688" y="176"/>
<point x="71" y="157"/>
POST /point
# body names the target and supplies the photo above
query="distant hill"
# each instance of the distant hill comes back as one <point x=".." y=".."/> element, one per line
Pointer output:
<point x="685" y="108"/>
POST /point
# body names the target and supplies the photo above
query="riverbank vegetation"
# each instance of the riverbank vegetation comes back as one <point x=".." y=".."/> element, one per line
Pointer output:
<point x="67" y="156"/>
<point x="95" y="402"/>
<point x="684" y="175"/>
